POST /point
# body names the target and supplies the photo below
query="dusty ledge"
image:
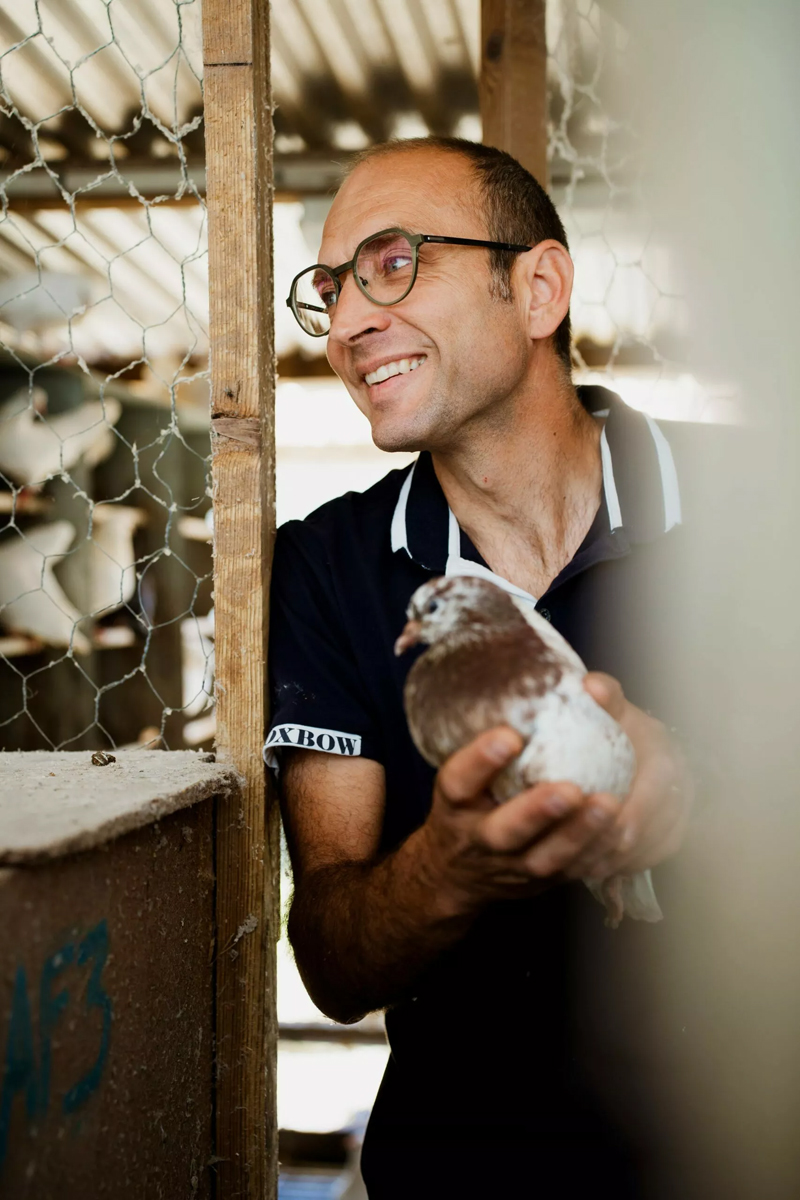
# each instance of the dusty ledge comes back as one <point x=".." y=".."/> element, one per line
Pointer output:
<point x="58" y="802"/>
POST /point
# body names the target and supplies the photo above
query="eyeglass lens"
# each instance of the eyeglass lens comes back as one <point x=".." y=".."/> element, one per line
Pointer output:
<point x="314" y="300"/>
<point x="385" y="269"/>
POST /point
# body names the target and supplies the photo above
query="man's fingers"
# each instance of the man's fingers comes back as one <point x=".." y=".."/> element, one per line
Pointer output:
<point x="607" y="692"/>
<point x="651" y="824"/>
<point x="606" y="848"/>
<point x="560" y="850"/>
<point x="658" y="839"/>
<point x="469" y="771"/>
<point x="514" y="825"/>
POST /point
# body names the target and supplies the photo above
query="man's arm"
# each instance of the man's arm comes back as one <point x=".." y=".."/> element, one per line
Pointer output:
<point x="365" y="928"/>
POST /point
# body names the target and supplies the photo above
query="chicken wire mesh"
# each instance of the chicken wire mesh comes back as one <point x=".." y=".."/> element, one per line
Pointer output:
<point x="630" y="319"/>
<point x="105" y="558"/>
<point x="106" y="621"/>
<point x="626" y="312"/>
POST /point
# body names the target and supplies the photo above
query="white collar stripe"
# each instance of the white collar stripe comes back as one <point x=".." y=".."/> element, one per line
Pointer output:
<point x="669" y="489"/>
<point x="399" y="529"/>
<point x="456" y="565"/>
<point x="669" y="476"/>
<point x="453" y="537"/>
<point x="609" y="485"/>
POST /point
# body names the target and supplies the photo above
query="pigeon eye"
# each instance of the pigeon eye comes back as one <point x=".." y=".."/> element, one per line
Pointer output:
<point x="432" y="607"/>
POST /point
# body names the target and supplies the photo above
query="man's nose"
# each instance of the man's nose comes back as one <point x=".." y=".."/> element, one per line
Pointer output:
<point x="355" y="315"/>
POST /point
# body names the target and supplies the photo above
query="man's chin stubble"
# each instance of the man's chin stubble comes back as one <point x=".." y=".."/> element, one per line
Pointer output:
<point x="433" y="429"/>
<point x="395" y="444"/>
<point x="407" y="437"/>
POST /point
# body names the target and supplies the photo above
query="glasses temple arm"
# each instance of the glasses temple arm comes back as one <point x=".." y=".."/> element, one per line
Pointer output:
<point x="453" y="241"/>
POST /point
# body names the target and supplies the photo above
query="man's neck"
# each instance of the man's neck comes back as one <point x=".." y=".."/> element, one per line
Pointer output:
<point x="526" y="485"/>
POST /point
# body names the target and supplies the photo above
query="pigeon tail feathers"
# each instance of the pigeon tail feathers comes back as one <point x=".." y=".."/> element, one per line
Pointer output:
<point x="627" y="895"/>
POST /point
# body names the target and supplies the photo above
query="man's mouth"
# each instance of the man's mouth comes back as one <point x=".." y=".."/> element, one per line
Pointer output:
<point x="400" y="366"/>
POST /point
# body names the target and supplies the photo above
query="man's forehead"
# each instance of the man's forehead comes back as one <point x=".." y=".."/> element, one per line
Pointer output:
<point x="422" y="191"/>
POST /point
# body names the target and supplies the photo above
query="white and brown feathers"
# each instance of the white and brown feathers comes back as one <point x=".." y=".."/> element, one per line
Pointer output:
<point x="493" y="660"/>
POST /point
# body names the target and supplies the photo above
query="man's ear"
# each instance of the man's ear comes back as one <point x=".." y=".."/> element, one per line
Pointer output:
<point x="544" y="277"/>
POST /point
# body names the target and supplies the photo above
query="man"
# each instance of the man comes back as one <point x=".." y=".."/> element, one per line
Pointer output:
<point x="417" y="894"/>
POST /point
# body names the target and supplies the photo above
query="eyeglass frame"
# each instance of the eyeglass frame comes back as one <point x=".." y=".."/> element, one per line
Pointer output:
<point x="415" y="240"/>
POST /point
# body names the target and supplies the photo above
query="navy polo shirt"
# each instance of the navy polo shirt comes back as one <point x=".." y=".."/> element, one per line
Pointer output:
<point x="498" y="1056"/>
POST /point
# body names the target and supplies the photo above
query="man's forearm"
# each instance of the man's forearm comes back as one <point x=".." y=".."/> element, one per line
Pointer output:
<point x="364" y="933"/>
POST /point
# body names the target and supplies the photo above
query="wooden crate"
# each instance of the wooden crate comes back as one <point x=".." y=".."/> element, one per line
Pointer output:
<point x="107" y="974"/>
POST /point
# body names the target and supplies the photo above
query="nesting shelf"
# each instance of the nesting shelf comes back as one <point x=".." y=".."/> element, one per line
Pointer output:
<point x="104" y="637"/>
<point x="57" y="802"/>
<point x="108" y="953"/>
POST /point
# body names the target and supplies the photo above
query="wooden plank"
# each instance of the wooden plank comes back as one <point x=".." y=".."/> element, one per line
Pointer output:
<point x="341" y="1035"/>
<point x="238" y="122"/>
<point x="513" y="81"/>
<point x="233" y="30"/>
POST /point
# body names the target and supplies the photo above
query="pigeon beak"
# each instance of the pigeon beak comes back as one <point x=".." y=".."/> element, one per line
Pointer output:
<point x="409" y="637"/>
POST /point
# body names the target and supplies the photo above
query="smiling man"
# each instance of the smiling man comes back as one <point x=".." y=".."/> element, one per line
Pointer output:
<point x="517" y="1067"/>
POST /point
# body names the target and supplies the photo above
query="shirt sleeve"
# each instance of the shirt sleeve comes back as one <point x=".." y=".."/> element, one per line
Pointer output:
<point x="318" y="699"/>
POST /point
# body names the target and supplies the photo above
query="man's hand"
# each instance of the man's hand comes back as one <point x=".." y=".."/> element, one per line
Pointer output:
<point x="365" y="926"/>
<point x="480" y="851"/>
<point x="651" y="823"/>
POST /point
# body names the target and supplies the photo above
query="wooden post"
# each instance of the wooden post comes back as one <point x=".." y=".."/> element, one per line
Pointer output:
<point x="513" y="81"/>
<point x="238" y="119"/>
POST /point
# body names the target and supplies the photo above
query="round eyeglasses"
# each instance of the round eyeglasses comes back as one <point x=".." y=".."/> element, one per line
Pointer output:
<point x="384" y="267"/>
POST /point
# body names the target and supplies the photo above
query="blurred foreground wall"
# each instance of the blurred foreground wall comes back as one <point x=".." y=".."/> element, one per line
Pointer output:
<point x="716" y="89"/>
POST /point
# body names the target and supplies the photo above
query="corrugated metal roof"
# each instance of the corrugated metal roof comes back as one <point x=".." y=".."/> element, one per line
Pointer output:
<point x="102" y="164"/>
<point x="348" y="72"/>
<point x="102" y="115"/>
<point x="100" y="111"/>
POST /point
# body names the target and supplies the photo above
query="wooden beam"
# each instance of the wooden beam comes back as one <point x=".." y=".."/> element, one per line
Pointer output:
<point x="239" y="181"/>
<point x="295" y="175"/>
<point x="513" y="81"/>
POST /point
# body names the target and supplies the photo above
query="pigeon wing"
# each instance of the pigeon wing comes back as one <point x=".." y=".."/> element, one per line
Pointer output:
<point x="463" y="686"/>
<point x="31" y="598"/>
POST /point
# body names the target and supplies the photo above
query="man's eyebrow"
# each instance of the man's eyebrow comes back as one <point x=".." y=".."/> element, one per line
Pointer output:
<point x="406" y="226"/>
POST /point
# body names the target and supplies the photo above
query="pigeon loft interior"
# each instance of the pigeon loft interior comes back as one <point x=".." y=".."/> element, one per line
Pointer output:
<point x="166" y="167"/>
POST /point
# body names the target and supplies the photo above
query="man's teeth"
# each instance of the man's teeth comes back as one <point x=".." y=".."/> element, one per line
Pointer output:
<point x="401" y="367"/>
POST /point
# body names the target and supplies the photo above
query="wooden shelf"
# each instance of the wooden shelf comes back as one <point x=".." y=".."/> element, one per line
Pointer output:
<point x="106" y="637"/>
<point x="25" y="504"/>
<point x="341" y="1034"/>
<point x="195" y="529"/>
<point x="113" y="637"/>
<point x="200" y="729"/>
<point x="18" y="644"/>
<point x="370" y="1030"/>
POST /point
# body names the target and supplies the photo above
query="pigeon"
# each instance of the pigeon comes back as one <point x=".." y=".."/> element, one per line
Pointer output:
<point x="36" y="300"/>
<point x="31" y="598"/>
<point x="198" y="664"/>
<point x="494" y="660"/>
<point x="100" y="575"/>
<point x="35" y="446"/>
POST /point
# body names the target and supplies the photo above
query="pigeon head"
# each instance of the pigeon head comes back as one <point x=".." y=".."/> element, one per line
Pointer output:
<point x="457" y="606"/>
